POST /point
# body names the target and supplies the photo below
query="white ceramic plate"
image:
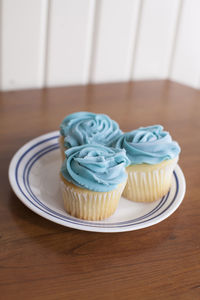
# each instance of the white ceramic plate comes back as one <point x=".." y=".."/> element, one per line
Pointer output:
<point x="34" y="177"/>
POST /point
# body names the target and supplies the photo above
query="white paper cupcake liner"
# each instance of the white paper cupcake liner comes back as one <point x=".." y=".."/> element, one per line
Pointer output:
<point x="89" y="205"/>
<point x="148" y="183"/>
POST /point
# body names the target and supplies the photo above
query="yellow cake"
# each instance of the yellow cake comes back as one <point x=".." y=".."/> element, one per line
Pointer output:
<point x="147" y="183"/>
<point x="89" y="205"/>
<point x="153" y="157"/>
<point x="93" y="178"/>
<point x="62" y="147"/>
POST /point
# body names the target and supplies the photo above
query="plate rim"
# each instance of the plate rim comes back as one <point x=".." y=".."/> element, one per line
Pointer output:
<point x="37" y="210"/>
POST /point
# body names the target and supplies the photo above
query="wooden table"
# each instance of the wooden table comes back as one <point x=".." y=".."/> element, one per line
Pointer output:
<point x="43" y="260"/>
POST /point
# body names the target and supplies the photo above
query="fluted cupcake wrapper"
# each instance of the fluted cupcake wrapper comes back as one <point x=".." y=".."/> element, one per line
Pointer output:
<point x="89" y="205"/>
<point x="148" y="183"/>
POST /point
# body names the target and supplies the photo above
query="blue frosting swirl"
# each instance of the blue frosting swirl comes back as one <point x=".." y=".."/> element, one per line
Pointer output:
<point x="88" y="128"/>
<point x="149" y="145"/>
<point x="95" y="167"/>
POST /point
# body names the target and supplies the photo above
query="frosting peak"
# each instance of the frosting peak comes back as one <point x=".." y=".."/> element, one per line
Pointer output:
<point x="86" y="128"/>
<point x="95" y="167"/>
<point x="150" y="145"/>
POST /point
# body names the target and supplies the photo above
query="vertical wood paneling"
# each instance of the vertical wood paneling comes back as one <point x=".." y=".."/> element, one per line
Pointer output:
<point x="155" y="38"/>
<point x="69" y="43"/>
<point x="64" y="42"/>
<point x="186" y="59"/>
<point x="114" y="40"/>
<point x="23" y="43"/>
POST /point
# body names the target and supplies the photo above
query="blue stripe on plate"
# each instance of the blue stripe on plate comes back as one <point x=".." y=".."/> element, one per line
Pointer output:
<point x="47" y="210"/>
<point x="30" y="164"/>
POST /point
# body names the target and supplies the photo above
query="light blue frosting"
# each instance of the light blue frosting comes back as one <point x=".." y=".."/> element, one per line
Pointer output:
<point x="150" y="145"/>
<point x="95" y="167"/>
<point x="88" y="128"/>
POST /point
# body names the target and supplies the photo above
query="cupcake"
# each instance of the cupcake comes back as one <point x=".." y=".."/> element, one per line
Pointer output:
<point x="153" y="156"/>
<point x="87" y="128"/>
<point x="93" y="178"/>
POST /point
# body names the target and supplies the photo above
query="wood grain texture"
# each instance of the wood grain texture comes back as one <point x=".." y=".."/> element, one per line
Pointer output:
<point x="43" y="260"/>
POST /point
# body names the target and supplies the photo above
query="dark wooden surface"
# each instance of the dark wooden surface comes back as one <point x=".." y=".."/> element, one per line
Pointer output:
<point x="43" y="260"/>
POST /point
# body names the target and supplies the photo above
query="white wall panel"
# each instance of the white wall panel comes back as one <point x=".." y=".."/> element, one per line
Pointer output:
<point x="186" y="60"/>
<point x="155" y="39"/>
<point x="22" y="43"/>
<point x="69" y="42"/>
<point x="64" y="42"/>
<point x="114" y="40"/>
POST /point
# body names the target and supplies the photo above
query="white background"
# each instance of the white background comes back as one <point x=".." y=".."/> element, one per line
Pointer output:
<point x="66" y="42"/>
